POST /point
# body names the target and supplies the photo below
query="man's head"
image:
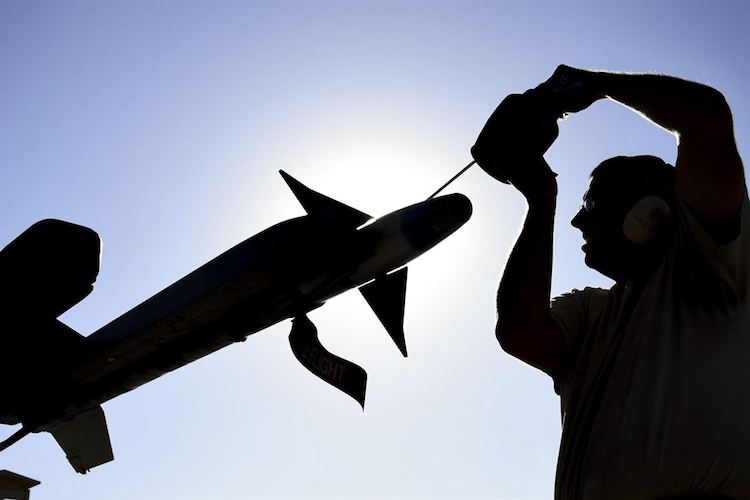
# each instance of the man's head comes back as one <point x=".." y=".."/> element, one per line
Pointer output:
<point x="624" y="216"/>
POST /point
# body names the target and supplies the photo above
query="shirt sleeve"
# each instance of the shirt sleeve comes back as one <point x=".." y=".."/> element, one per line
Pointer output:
<point x="721" y="269"/>
<point x="568" y="312"/>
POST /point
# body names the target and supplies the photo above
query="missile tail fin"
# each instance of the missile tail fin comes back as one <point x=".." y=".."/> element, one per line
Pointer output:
<point x="387" y="296"/>
<point x="340" y="373"/>
<point x="318" y="204"/>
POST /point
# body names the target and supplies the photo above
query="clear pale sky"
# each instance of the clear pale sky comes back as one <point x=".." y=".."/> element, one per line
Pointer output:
<point x="162" y="126"/>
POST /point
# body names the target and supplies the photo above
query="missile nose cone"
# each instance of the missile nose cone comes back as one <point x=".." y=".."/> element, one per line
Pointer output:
<point x="455" y="208"/>
<point x="431" y="221"/>
<point x="461" y="207"/>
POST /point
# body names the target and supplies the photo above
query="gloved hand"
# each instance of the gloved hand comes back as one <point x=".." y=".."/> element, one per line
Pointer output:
<point x="516" y="136"/>
<point x="569" y="90"/>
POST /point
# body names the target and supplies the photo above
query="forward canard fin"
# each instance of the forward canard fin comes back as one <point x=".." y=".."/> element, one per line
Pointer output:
<point x="387" y="296"/>
<point x="319" y="204"/>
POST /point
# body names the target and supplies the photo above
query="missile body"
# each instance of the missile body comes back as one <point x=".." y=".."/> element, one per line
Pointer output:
<point x="282" y="272"/>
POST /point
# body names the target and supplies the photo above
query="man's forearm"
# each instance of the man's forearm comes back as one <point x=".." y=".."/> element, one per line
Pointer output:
<point x="677" y="105"/>
<point x="710" y="175"/>
<point x="524" y="328"/>
<point x="524" y="291"/>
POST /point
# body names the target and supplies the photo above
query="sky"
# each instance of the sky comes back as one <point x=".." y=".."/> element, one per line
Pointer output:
<point x="162" y="125"/>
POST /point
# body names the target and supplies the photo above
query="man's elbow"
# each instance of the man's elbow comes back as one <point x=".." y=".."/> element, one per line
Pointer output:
<point x="712" y="105"/>
<point x="510" y="338"/>
<point x="535" y="343"/>
<point x="706" y="115"/>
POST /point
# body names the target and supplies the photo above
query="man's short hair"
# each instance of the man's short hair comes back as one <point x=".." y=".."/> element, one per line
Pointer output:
<point x="636" y="176"/>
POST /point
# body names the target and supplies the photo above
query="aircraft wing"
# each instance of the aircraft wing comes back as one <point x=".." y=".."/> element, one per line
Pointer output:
<point x="85" y="440"/>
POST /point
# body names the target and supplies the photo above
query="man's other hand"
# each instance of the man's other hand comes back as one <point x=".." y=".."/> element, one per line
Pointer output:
<point x="570" y="90"/>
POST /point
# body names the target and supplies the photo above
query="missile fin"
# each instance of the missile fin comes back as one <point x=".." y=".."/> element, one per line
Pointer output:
<point x="318" y="204"/>
<point x="387" y="296"/>
<point x="338" y="372"/>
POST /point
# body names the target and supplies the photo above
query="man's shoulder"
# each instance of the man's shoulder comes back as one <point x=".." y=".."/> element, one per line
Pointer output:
<point x="587" y="295"/>
<point x="576" y="310"/>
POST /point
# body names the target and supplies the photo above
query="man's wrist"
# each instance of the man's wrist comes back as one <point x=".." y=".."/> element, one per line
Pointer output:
<point x="544" y="197"/>
<point x="595" y="83"/>
<point x="575" y="89"/>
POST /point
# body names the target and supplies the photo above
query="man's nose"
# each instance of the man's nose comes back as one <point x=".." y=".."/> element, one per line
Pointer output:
<point x="578" y="219"/>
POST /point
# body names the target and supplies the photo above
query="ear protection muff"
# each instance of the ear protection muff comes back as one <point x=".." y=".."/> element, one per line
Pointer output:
<point x="647" y="221"/>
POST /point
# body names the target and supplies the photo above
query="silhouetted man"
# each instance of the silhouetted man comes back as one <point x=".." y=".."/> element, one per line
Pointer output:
<point x="653" y="372"/>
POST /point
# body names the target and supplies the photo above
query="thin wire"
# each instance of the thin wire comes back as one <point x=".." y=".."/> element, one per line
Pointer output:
<point x="452" y="179"/>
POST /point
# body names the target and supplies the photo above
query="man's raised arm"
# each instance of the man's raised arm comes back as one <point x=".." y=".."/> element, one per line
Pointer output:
<point x="510" y="148"/>
<point x="524" y="326"/>
<point x="710" y="175"/>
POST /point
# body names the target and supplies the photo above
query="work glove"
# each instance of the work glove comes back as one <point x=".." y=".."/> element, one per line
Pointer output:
<point x="516" y="136"/>
<point x="569" y="90"/>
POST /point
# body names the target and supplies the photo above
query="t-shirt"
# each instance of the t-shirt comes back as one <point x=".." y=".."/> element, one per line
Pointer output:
<point x="654" y="391"/>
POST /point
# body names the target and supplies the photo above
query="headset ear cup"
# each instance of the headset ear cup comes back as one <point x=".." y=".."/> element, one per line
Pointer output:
<point x="647" y="220"/>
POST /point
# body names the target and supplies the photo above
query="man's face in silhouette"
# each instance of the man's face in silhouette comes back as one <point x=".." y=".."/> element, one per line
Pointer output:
<point x="600" y="220"/>
<point x="616" y="185"/>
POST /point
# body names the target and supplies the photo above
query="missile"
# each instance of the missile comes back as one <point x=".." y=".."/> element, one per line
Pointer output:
<point x="283" y="272"/>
